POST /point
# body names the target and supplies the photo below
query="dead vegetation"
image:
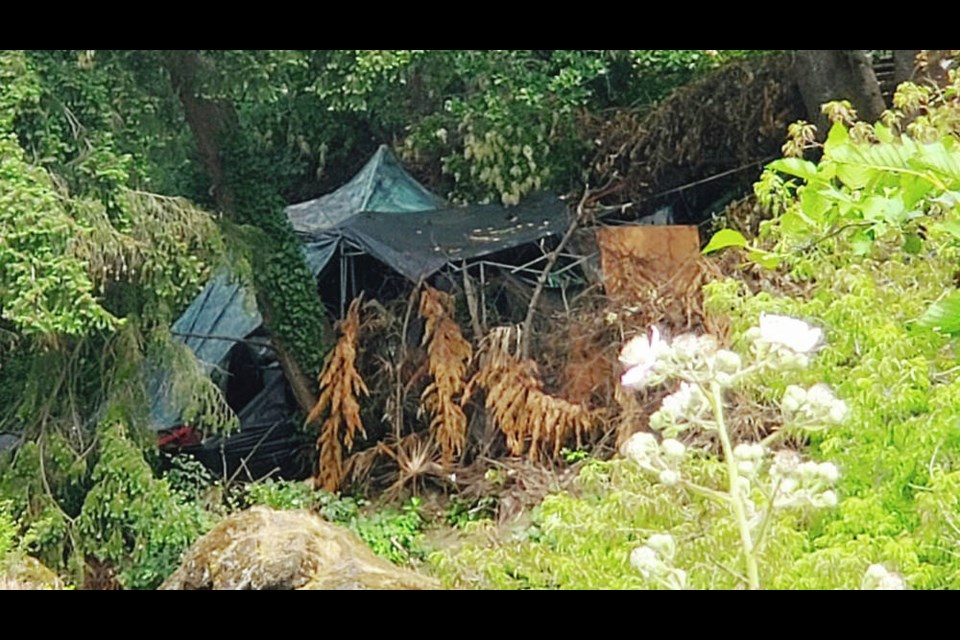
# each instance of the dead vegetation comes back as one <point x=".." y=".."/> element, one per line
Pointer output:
<point x="338" y="405"/>
<point x="730" y="120"/>
<point x="534" y="422"/>
<point x="448" y="354"/>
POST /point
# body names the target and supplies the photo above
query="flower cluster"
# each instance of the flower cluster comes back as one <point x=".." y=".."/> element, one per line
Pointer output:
<point x="687" y="405"/>
<point x="653" y="561"/>
<point x="814" y="407"/>
<point x="878" y="578"/>
<point x="662" y="459"/>
<point x="801" y="484"/>
<point x="783" y="341"/>
<point x="703" y="371"/>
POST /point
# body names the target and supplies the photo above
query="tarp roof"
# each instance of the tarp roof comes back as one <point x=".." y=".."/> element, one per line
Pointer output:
<point x="417" y="245"/>
<point x="381" y="185"/>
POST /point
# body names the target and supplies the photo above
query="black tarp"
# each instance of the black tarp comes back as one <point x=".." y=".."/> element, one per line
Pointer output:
<point x="417" y="245"/>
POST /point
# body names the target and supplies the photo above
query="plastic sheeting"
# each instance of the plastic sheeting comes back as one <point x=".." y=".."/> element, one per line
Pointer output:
<point x="417" y="245"/>
<point x="382" y="185"/>
<point x="224" y="312"/>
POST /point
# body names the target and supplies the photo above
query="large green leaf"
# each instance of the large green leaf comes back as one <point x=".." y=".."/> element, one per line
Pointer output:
<point x="723" y="239"/>
<point x="795" y="167"/>
<point x="943" y="315"/>
<point x="941" y="159"/>
<point x="879" y="157"/>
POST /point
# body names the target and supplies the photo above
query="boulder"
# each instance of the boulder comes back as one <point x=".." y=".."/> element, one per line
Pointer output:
<point x="262" y="548"/>
<point x="21" y="573"/>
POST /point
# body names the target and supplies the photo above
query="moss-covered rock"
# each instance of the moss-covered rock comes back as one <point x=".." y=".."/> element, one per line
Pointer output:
<point x="261" y="548"/>
<point x="20" y="572"/>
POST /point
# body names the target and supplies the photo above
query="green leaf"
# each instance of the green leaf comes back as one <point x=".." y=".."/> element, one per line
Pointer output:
<point x="912" y="244"/>
<point x="861" y="243"/>
<point x="883" y="133"/>
<point x="837" y="138"/>
<point x="795" y="167"/>
<point x="854" y="176"/>
<point x="723" y="239"/>
<point x="765" y="259"/>
<point x="814" y="205"/>
<point x="952" y="227"/>
<point x="943" y="315"/>
<point x="936" y="156"/>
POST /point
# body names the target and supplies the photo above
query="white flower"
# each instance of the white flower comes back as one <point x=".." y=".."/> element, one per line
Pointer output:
<point x="664" y="545"/>
<point x="640" y="447"/>
<point x="785" y="462"/>
<point x="821" y="396"/>
<point x="793" y="398"/>
<point x="794" y="334"/>
<point x="877" y="578"/>
<point x="828" y="499"/>
<point x="744" y="451"/>
<point x="788" y="486"/>
<point x="641" y="354"/>
<point x="669" y="477"/>
<point x="838" y="412"/>
<point x="687" y="401"/>
<point x="728" y="361"/>
<point x="747" y="467"/>
<point x="645" y="560"/>
<point x="891" y="582"/>
<point x="829" y="472"/>
<point x="642" y="349"/>
<point x="808" y="470"/>
<point x="672" y="449"/>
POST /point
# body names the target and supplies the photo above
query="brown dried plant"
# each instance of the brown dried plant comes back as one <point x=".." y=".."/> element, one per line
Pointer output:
<point x="340" y="386"/>
<point x="448" y="354"/>
<point x="533" y="421"/>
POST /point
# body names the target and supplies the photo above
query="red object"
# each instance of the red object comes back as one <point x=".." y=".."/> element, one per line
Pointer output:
<point x="180" y="437"/>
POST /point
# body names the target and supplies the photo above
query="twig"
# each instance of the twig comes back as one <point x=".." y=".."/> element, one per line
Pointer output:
<point x="545" y="274"/>
<point x="399" y="389"/>
<point x="470" y="293"/>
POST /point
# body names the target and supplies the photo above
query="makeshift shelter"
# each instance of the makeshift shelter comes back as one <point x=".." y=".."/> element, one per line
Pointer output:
<point x="382" y="212"/>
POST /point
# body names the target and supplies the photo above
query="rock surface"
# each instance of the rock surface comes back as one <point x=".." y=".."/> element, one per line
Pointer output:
<point x="262" y="548"/>
<point x="24" y="573"/>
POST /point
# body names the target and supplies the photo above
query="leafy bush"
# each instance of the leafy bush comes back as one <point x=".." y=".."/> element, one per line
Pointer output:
<point x="395" y="534"/>
<point x="132" y="520"/>
<point x="8" y="531"/>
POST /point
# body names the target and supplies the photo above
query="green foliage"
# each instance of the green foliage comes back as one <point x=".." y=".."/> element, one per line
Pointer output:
<point x="132" y="520"/>
<point x="461" y="513"/>
<point x="584" y="541"/>
<point x="394" y="534"/>
<point x="285" y="495"/>
<point x="8" y="531"/>
<point x="43" y="288"/>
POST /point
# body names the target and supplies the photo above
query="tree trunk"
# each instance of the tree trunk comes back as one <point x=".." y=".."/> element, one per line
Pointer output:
<point x="904" y="64"/>
<point x="208" y="119"/>
<point x="824" y="75"/>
